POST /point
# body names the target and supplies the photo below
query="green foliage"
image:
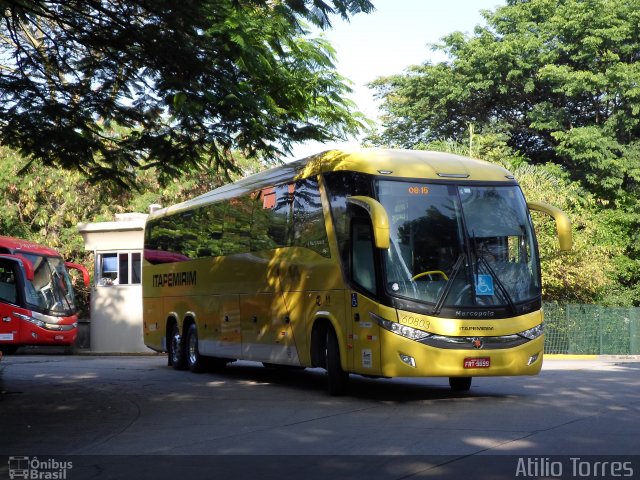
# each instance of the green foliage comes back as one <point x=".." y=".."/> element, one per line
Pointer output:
<point x="108" y="87"/>
<point x="556" y="82"/>
<point x="45" y="204"/>
<point x="558" y="77"/>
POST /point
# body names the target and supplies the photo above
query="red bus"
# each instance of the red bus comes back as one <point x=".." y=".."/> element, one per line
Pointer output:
<point x="37" y="301"/>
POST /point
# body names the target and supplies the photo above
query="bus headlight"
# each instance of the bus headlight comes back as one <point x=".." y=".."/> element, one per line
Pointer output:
<point x="399" y="329"/>
<point x="534" y="332"/>
<point x="47" y="326"/>
<point x="29" y="319"/>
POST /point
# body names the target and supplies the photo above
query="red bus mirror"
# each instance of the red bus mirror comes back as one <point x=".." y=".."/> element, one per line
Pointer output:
<point x="28" y="269"/>
<point x="85" y="272"/>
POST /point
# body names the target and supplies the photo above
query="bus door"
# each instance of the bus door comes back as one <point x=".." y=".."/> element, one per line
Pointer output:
<point x="363" y="333"/>
<point x="9" y="324"/>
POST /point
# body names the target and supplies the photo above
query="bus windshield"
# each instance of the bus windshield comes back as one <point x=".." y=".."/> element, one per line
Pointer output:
<point x="459" y="246"/>
<point x="51" y="291"/>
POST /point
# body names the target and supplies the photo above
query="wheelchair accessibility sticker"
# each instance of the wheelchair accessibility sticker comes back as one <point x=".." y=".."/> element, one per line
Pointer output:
<point x="484" y="284"/>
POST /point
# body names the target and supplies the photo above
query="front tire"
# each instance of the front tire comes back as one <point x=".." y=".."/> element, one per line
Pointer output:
<point x="195" y="361"/>
<point x="460" y="384"/>
<point x="338" y="378"/>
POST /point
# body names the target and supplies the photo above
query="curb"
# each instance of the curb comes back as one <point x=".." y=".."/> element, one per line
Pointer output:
<point x="569" y="356"/>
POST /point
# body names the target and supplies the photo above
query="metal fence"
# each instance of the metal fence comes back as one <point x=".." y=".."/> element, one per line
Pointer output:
<point x="591" y="329"/>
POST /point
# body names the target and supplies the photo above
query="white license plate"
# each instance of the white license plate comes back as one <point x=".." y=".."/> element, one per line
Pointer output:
<point x="477" y="362"/>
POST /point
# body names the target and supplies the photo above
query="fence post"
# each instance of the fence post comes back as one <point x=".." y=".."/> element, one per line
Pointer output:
<point x="631" y="339"/>
<point x="634" y="331"/>
<point x="598" y="313"/>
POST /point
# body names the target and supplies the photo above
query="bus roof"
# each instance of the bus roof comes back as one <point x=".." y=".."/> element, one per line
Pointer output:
<point x="17" y="245"/>
<point x="415" y="164"/>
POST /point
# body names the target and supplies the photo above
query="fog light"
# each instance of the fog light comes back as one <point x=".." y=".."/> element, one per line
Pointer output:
<point x="409" y="360"/>
<point x="533" y="358"/>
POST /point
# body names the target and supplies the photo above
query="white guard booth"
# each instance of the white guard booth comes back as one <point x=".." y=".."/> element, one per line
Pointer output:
<point x="116" y="296"/>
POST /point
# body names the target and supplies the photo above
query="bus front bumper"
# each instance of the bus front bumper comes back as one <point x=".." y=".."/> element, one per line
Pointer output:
<point x="402" y="357"/>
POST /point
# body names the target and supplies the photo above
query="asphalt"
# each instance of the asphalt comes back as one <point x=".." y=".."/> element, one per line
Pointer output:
<point x="129" y="416"/>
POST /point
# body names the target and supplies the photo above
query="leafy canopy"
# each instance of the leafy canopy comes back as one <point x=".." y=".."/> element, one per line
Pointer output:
<point x="189" y="81"/>
<point x="558" y="83"/>
<point x="561" y="78"/>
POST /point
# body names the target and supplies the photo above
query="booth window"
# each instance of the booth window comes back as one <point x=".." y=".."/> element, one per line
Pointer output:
<point x="118" y="268"/>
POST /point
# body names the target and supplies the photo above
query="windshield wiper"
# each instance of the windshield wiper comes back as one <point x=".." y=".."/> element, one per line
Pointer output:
<point x="501" y="287"/>
<point x="57" y="281"/>
<point x="447" y="286"/>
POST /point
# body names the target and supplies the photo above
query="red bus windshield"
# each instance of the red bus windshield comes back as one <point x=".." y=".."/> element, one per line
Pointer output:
<point x="50" y="292"/>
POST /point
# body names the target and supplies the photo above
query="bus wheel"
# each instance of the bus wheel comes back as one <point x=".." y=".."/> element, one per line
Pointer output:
<point x="195" y="362"/>
<point x="338" y="378"/>
<point x="177" y="355"/>
<point x="460" y="384"/>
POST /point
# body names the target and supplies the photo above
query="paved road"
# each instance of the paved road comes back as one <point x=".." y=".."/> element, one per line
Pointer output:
<point x="120" y="405"/>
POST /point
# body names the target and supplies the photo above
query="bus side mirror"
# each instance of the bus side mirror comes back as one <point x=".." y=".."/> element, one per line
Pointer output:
<point x="83" y="270"/>
<point x="563" y="224"/>
<point x="379" y="219"/>
<point x="28" y="269"/>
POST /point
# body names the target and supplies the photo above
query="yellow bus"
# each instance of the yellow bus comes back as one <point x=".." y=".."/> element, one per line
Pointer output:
<point x="388" y="263"/>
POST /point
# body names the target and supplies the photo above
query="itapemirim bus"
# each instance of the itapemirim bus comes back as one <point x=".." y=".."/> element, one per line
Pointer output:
<point x="389" y="263"/>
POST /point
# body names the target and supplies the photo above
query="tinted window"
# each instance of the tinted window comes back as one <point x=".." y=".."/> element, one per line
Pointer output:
<point x="263" y="220"/>
<point x="363" y="265"/>
<point x="281" y="214"/>
<point x="309" y="228"/>
<point x="8" y="291"/>
<point x="341" y="185"/>
<point x="237" y="226"/>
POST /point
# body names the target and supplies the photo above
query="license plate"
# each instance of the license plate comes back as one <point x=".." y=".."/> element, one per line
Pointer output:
<point x="477" y="362"/>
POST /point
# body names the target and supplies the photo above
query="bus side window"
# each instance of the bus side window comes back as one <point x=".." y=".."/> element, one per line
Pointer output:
<point x="341" y="185"/>
<point x="362" y="263"/>
<point x="237" y="226"/>
<point x="212" y="222"/>
<point x="271" y="224"/>
<point x="308" y="226"/>
<point x="7" y="284"/>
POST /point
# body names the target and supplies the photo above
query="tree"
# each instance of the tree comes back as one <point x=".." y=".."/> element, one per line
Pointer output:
<point x="560" y="77"/>
<point x="189" y="81"/>
<point x="45" y="204"/>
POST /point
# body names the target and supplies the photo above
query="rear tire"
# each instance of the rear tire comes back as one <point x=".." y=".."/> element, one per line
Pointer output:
<point x="338" y="378"/>
<point x="177" y="356"/>
<point x="460" y="384"/>
<point x="195" y="361"/>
